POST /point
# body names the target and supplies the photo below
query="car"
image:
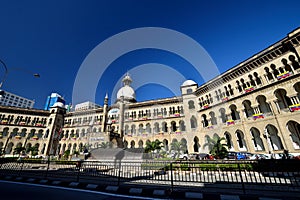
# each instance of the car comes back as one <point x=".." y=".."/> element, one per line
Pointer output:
<point x="243" y="155"/>
<point x="258" y="157"/>
<point x="184" y="156"/>
<point x="198" y="156"/>
<point x="231" y="155"/>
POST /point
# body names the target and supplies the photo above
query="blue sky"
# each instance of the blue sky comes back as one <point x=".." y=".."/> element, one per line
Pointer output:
<point x="54" y="37"/>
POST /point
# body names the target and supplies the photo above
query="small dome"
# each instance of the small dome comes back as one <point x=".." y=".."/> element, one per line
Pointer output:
<point x="59" y="104"/>
<point x="188" y="82"/>
<point x="127" y="92"/>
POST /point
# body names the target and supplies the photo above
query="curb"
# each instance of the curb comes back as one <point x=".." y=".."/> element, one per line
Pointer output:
<point x="152" y="192"/>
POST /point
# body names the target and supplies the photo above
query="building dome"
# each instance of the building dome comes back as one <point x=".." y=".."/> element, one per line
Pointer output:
<point x="127" y="92"/>
<point x="188" y="83"/>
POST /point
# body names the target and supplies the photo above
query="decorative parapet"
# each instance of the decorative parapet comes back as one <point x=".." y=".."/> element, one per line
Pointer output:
<point x="39" y="124"/>
<point x="22" y="123"/>
<point x="145" y="134"/>
<point x="224" y="99"/>
<point x="294" y="107"/>
<point x="210" y="126"/>
<point x="159" y="116"/>
<point x="143" y="118"/>
<point x="176" y="114"/>
<point x="258" y="116"/>
<point x="205" y="106"/>
<point x="249" y="89"/>
<point x="4" y="121"/>
<point x="230" y="122"/>
<point x="18" y="137"/>
<point x="35" y="137"/>
<point x="283" y="75"/>
<point x="114" y="121"/>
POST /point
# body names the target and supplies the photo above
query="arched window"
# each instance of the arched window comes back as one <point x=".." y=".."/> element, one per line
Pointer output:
<point x="295" y="64"/>
<point x="204" y="120"/>
<point x="191" y="104"/>
<point x="283" y="100"/>
<point x="193" y="122"/>
<point x="164" y="127"/>
<point x="189" y="91"/>
<point x="248" y="109"/>
<point x="173" y="126"/>
<point x="156" y="128"/>
<point x="213" y="118"/>
<point x="223" y="115"/>
<point x="133" y="131"/>
<point x="181" y="125"/>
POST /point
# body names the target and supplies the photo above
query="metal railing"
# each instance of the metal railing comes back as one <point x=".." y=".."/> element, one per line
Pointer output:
<point x="245" y="175"/>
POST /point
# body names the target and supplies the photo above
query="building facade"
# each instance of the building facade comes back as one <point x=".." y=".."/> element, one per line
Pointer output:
<point x="255" y="106"/>
<point x="21" y="127"/>
<point x="10" y="99"/>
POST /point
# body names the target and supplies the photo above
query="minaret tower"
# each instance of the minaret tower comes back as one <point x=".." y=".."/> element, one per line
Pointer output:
<point x="105" y="108"/>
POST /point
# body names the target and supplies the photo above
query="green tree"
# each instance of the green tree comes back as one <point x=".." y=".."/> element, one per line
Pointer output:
<point x="178" y="148"/>
<point x="151" y="147"/>
<point x="217" y="148"/>
<point x="19" y="150"/>
<point x="34" y="150"/>
<point x="67" y="154"/>
<point x="104" y="145"/>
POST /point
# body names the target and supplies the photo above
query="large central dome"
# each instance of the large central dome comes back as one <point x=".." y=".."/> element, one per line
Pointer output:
<point x="127" y="92"/>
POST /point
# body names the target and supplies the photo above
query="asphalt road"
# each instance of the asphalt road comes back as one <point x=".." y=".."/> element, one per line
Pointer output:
<point x="24" y="191"/>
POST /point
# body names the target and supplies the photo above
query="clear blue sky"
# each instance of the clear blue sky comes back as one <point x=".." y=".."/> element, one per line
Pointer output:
<point x="54" y="37"/>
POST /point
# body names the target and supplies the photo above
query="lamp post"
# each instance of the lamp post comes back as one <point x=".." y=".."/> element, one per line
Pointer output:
<point x="6" y="73"/>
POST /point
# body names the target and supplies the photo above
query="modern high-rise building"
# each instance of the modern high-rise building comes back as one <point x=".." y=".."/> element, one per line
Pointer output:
<point x="10" y="99"/>
<point x="52" y="99"/>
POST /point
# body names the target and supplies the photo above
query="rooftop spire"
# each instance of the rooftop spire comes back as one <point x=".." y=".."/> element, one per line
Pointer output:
<point x="127" y="80"/>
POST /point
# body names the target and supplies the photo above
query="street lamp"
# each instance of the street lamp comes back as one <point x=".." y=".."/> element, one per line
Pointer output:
<point x="5" y="76"/>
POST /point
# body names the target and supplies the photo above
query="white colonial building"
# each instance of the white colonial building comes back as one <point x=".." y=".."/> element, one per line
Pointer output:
<point x="255" y="106"/>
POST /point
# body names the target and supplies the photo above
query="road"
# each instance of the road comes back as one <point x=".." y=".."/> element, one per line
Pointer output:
<point x="24" y="191"/>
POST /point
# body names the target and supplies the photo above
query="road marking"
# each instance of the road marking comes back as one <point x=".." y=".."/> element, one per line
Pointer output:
<point x="229" y="197"/>
<point x="81" y="190"/>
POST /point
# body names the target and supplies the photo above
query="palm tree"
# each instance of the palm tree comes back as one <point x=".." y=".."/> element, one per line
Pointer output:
<point x="153" y="146"/>
<point x="105" y="145"/>
<point x="178" y="148"/>
<point x="216" y="147"/>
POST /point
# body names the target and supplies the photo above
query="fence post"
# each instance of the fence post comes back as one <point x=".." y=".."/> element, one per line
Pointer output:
<point x="172" y="184"/>
<point x="48" y="166"/>
<point x="240" y="172"/>
<point x="78" y="167"/>
<point x="119" y="173"/>
<point x="22" y="164"/>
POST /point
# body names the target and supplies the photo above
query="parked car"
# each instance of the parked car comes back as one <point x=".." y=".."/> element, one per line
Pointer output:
<point x="184" y="156"/>
<point x="231" y="155"/>
<point x="198" y="156"/>
<point x="258" y="157"/>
